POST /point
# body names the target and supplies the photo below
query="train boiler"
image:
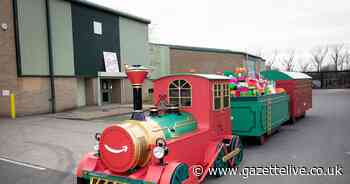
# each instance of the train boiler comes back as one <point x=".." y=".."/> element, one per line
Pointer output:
<point x="186" y="133"/>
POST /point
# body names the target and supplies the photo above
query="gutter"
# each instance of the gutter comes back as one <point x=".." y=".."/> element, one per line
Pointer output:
<point x="51" y="68"/>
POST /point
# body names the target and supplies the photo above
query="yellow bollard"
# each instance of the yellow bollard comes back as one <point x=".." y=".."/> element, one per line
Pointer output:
<point x="12" y="106"/>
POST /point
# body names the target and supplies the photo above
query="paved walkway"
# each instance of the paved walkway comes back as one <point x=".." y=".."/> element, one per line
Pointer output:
<point x="97" y="112"/>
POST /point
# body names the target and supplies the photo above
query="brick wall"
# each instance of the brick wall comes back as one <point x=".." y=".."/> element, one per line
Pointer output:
<point x="91" y="91"/>
<point x="203" y="62"/>
<point x="34" y="93"/>
<point x="8" y="70"/>
<point x="66" y="93"/>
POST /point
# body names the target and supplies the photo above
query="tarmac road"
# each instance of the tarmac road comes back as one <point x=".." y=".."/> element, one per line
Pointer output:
<point x="321" y="139"/>
<point x="45" y="150"/>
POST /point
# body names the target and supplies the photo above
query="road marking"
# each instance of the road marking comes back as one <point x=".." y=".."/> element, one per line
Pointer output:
<point x="22" y="164"/>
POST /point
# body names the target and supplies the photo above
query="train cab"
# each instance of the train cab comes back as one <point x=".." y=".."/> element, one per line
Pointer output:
<point x="205" y="96"/>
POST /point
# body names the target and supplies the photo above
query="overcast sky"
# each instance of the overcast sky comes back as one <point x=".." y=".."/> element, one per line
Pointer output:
<point x="245" y="25"/>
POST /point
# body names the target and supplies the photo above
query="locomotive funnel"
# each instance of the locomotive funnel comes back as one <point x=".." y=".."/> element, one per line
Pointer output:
<point x="136" y="75"/>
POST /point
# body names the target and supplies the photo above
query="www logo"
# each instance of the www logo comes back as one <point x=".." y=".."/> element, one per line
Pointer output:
<point x="223" y="171"/>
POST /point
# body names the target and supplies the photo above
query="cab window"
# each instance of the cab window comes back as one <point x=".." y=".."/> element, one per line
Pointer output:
<point x="180" y="93"/>
<point x="221" y="96"/>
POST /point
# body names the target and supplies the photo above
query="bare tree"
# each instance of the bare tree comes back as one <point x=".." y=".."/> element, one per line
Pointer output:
<point x="344" y="59"/>
<point x="288" y="61"/>
<point x="318" y="55"/>
<point x="272" y="60"/>
<point x="305" y="66"/>
<point x="337" y="55"/>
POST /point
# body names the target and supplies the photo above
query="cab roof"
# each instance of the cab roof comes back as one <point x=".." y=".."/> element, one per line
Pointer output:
<point x="206" y="76"/>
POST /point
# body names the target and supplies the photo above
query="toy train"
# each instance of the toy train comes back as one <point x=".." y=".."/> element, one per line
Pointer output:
<point x="192" y="128"/>
<point x="175" y="144"/>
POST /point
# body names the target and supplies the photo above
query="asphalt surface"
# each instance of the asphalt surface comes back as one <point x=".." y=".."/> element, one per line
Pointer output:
<point x="15" y="173"/>
<point x="46" y="150"/>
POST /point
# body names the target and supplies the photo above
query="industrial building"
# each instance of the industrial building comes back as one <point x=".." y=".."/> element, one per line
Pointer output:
<point x="56" y="55"/>
<point x="170" y="59"/>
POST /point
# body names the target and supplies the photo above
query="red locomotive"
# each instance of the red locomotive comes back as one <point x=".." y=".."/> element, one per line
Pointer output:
<point x="187" y="133"/>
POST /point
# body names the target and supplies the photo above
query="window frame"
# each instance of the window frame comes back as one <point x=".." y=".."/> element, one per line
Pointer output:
<point x="179" y="97"/>
<point x="223" y="92"/>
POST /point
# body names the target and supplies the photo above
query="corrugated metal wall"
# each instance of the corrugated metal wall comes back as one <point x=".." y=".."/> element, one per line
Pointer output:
<point x="159" y="60"/>
<point x="133" y="42"/>
<point x="33" y="37"/>
<point x="62" y="37"/>
<point x="88" y="46"/>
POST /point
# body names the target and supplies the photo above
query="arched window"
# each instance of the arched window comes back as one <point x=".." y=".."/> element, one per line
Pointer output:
<point x="180" y="93"/>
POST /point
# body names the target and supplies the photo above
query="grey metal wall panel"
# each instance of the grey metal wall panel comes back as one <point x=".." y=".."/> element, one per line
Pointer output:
<point x="62" y="37"/>
<point x="133" y="42"/>
<point x="33" y="37"/>
<point x="159" y="60"/>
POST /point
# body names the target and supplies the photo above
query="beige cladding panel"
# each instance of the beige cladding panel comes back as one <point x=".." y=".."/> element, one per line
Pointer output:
<point x="62" y="37"/>
<point x="203" y="62"/>
<point x="160" y="60"/>
<point x="33" y="37"/>
<point x="134" y="45"/>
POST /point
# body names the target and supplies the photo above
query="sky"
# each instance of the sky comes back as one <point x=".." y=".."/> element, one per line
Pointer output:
<point x="254" y="26"/>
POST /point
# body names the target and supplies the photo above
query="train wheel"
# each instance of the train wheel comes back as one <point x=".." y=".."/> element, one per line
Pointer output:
<point x="180" y="174"/>
<point x="219" y="164"/>
<point x="236" y="143"/>
<point x="237" y="159"/>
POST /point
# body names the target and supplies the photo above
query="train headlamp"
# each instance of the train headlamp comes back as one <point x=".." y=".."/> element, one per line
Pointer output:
<point x="96" y="147"/>
<point x="97" y="138"/>
<point x="159" y="152"/>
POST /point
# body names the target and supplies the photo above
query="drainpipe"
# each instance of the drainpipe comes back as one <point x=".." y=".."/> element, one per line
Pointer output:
<point x="51" y="68"/>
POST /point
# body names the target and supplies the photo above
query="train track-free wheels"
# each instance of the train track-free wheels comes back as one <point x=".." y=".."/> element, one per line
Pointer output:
<point x="219" y="164"/>
<point x="237" y="144"/>
<point x="228" y="156"/>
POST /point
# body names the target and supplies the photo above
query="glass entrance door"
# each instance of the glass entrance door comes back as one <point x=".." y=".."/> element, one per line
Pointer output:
<point x="106" y="91"/>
